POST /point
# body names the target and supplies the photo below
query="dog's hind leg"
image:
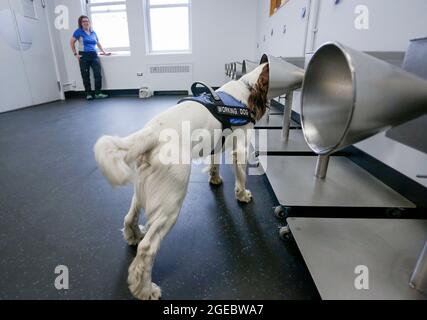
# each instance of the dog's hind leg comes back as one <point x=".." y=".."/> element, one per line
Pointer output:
<point x="164" y="192"/>
<point x="132" y="232"/>
<point x="139" y="278"/>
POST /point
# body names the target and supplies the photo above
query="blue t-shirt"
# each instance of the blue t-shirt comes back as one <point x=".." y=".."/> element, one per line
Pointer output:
<point x="87" y="43"/>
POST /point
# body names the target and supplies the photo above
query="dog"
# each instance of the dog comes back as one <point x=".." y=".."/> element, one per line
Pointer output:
<point x="160" y="188"/>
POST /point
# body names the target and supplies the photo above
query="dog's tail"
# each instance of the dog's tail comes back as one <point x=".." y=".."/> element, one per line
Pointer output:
<point x="116" y="156"/>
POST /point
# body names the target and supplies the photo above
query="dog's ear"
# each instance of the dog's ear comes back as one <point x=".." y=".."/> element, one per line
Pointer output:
<point x="257" y="101"/>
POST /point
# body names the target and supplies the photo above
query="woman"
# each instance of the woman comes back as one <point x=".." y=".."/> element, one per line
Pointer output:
<point x="88" y="57"/>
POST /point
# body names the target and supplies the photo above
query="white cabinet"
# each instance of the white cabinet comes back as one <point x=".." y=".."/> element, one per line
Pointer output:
<point x="28" y="71"/>
<point x="38" y="59"/>
<point x="14" y="88"/>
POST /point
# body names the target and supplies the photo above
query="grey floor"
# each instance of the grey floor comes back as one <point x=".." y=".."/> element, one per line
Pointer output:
<point x="57" y="209"/>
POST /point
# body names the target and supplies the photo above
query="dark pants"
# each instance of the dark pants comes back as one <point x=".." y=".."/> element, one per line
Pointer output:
<point x="91" y="60"/>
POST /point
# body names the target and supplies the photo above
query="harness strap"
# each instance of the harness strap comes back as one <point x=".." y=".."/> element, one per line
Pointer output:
<point x="212" y="100"/>
<point x="206" y="89"/>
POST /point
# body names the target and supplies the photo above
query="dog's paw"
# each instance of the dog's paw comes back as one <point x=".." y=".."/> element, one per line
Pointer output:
<point x="215" y="180"/>
<point x="155" y="293"/>
<point x="244" y="196"/>
<point x="134" y="236"/>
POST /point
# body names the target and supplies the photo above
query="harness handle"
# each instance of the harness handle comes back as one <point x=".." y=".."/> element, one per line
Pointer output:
<point x="207" y="89"/>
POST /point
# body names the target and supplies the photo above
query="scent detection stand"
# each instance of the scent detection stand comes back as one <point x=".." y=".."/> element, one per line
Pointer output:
<point x="284" y="78"/>
<point x="284" y="135"/>
<point x="229" y="69"/>
<point x="238" y="70"/>
<point x="331" y="87"/>
<point x="249" y="66"/>
<point x="345" y="83"/>
<point x="384" y="251"/>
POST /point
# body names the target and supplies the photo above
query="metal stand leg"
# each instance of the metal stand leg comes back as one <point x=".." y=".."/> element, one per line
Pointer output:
<point x="419" y="278"/>
<point x="287" y="116"/>
<point x="282" y="98"/>
<point x="322" y="166"/>
<point x="268" y="109"/>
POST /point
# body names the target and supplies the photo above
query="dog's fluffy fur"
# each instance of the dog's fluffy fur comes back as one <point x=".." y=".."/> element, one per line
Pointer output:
<point x="160" y="189"/>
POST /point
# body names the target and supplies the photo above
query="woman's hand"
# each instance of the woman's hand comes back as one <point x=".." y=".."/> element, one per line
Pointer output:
<point x="78" y="57"/>
<point x="103" y="52"/>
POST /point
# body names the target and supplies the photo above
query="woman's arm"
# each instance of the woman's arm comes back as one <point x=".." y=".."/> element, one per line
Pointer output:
<point x="73" y="47"/>
<point x="102" y="49"/>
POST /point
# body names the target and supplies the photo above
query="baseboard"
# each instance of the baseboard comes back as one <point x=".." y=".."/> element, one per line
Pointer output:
<point x="29" y="107"/>
<point x="171" y="93"/>
<point x="112" y="93"/>
<point x="125" y="93"/>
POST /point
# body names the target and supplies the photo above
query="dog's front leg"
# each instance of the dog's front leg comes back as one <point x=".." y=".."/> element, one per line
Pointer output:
<point x="214" y="177"/>
<point x="240" y="156"/>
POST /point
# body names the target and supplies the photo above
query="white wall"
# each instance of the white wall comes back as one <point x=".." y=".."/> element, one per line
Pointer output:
<point x="391" y="25"/>
<point x="223" y="31"/>
<point x="278" y="43"/>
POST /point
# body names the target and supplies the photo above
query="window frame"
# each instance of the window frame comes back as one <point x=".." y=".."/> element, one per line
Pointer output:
<point x="149" y="39"/>
<point x="90" y="5"/>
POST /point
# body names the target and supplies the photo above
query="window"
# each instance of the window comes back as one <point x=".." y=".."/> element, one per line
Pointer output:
<point x="109" y="20"/>
<point x="168" y="26"/>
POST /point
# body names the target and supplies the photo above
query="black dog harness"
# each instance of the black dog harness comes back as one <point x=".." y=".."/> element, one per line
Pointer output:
<point x="225" y="108"/>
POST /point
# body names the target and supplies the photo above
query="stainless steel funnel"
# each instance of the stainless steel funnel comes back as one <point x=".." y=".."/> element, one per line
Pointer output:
<point x="349" y="96"/>
<point x="249" y="66"/>
<point x="284" y="76"/>
<point x="237" y="70"/>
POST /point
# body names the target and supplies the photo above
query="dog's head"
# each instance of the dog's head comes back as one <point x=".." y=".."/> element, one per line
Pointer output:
<point x="258" y="81"/>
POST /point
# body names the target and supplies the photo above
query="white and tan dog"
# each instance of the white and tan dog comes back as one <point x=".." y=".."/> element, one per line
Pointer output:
<point x="160" y="188"/>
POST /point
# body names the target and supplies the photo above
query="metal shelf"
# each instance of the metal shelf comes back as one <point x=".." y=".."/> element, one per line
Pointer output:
<point x="274" y="122"/>
<point x="346" y="185"/>
<point x="275" y="143"/>
<point x="333" y="248"/>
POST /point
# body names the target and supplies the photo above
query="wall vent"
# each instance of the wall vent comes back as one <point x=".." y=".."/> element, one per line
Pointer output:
<point x="179" y="68"/>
